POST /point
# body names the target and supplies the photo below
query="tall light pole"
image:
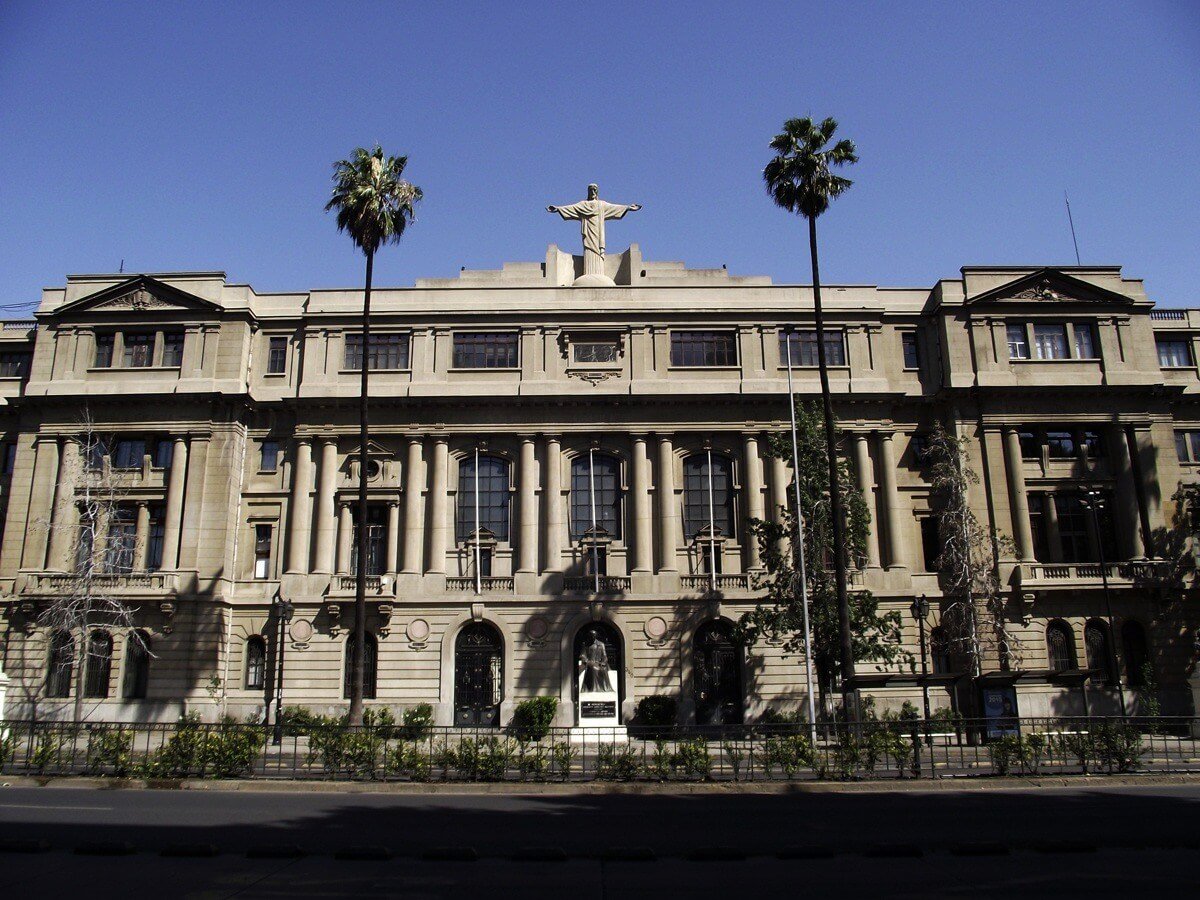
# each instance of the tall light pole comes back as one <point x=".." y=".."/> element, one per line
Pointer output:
<point x="283" y="612"/>
<point x="920" y="609"/>
<point x="1094" y="500"/>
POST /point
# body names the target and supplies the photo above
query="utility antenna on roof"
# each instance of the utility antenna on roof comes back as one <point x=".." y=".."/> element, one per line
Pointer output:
<point x="1072" y="223"/>
<point x="122" y="269"/>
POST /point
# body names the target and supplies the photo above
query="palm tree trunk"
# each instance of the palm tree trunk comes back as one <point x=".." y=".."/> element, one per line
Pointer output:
<point x="836" y="512"/>
<point x="360" y="574"/>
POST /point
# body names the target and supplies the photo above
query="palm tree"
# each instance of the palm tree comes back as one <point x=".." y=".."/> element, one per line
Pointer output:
<point x="799" y="179"/>
<point x="374" y="205"/>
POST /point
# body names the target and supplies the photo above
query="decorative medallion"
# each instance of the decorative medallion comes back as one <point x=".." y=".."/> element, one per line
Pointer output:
<point x="537" y="628"/>
<point x="656" y="628"/>
<point x="418" y="631"/>
<point x="301" y="631"/>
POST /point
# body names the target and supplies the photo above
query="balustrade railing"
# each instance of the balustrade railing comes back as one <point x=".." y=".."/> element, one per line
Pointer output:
<point x="63" y="582"/>
<point x="609" y="584"/>
<point x="490" y="584"/>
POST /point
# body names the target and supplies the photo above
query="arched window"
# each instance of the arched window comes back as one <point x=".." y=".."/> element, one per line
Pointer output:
<point x="493" y="497"/>
<point x="99" y="664"/>
<point x="62" y="665"/>
<point x="605" y="485"/>
<point x="1137" y="659"/>
<point x="478" y="675"/>
<point x="137" y="666"/>
<point x="1099" y="654"/>
<point x="256" y="663"/>
<point x="700" y="484"/>
<point x="1060" y="647"/>
<point x="370" y="665"/>
<point x="717" y="675"/>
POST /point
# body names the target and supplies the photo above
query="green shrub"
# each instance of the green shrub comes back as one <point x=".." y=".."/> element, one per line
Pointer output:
<point x="533" y="761"/>
<point x="532" y="718"/>
<point x="846" y="756"/>
<point x="617" y="762"/>
<point x="407" y="760"/>
<point x="110" y="748"/>
<point x="45" y="751"/>
<point x="483" y="759"/>
<point x="380" y="721"/>
<point x="660" y="763"/>
<point x="299" y="720"/>
<point x="1118" y="746"/>
<point x="563" y="756"/>
<point x="771" y="716"/>
<point x="788" y="753"/>
<point x="1003" y="752"/>
<point x="418" y="722"/>
<point x="735" y="755"/>
<point x="657" y="711"/>
<point x="230" y="750"/>
<point x="691" y="759"/>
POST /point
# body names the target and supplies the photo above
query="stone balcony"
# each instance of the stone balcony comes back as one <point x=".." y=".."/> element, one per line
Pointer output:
<point x="377" y="585"/>
<point x="491" y="584"/>
<point x="119" y="584"/>
<point x="610" y="585"/>
<point x="1092" y="574"/>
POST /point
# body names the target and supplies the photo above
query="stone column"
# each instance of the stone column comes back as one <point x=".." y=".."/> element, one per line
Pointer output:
<point x="896" y="554"/>
<point x="1126" y="513"/>
<point x="142" y="536"/>
<point x="667" y="517"/>
<point x="393" y="536"/>
<point x="326" y="523"/>
<point x="1053" y="536"/>
<point x="173" y="514"/>
<point x="438" y="473"/>
<point x="527" y="544"/>
<point x="413" y="506"/>
<point x="754" y="500"/>
<point x="41" y="502"/>
<point x="345" y="538"/>
<point x="866" y="485"/>
<point x="554" y="506"/>
<point x="62" y="531"/>
<point x="299" y="519"/>
<point x="643" y="546"/>
<point x="1018" y="498"/>
<point x="779" y="497"/>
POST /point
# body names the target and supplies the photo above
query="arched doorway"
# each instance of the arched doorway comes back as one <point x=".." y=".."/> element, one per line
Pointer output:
<point x="612" y="647"/>
<point x="717" y="675"/>
<point x="478" y="675"/>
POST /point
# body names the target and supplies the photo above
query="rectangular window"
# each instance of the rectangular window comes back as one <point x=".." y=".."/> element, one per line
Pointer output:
<point x="172" y="354"/>
<point x="1174" y="353"/>
<point x="1037" y="526"/>
<point x="1050" y="341"/>
<point x="139" y="350"/>
<point x="1187" y="446"/>
<point x="1018" y="341"/>
<point x="277" y="355"/>
<point x="710" y="558"/>
<point x="1072" y="528"/>
<point x="703" y="348"/>
<point x="912" y="351"/>
<point x="268" y="456"/>
<point x="154" y="540"/>
<point x="164" y="452"/>
<point x="129" y="453"/>
<point x="920" y="448"/>
<point x="122" y="539"/>
<point x="804" y="348"/>
<point x="14" y="364"/>
<point x="594" y="352"/>
<point x="1085" y="341"/>
<point x="262" y="551"/>
<point x="387" y="352"/>
<point x="485" y="350"/>
<point x="1092" y="443"/>
<point x="376" y="532"/>
<point x="1061" y="444"/>
<point x="1031" y="445"/>
<point x="931" y="544"/>
<point x="485" y="561"/>
<point x="595" y="561"/>
<point x="104" y="351"/>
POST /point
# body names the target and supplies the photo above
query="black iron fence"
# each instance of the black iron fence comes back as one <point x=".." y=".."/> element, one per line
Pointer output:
<point x="833" y="751"/>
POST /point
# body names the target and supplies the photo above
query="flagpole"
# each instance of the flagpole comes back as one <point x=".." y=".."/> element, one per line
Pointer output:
<point x="798" y="542"/>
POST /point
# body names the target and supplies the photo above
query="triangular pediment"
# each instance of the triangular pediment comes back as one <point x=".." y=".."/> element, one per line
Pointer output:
<point x="1049" y="286"/>
<point x="373" y="450"/>
<point x="140" y="294"/>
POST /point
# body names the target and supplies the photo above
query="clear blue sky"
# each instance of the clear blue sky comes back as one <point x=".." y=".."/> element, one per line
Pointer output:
<point x="200" y="136"/>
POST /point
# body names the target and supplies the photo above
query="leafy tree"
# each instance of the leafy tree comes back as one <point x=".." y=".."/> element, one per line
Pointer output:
<point x="974" y="609"/>
<point x="874" y="636"/>
<point x="374" y="205"/>
<point x="800" y="179"/>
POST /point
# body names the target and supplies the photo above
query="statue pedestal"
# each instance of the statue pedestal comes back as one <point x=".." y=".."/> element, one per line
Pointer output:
<point x="1194" y="684"/>
<point x="3" y="693"/>
<point x="599" y="719"/>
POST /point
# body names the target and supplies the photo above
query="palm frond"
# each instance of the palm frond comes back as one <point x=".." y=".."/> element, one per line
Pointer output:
<point x="374" y="203"/>
<point x="799" y="177"/>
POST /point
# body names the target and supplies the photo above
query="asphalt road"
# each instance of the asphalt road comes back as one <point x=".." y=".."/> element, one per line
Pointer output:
<point x="1045" y="842"/>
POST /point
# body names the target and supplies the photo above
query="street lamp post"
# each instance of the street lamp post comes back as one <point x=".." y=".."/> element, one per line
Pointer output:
<point x="283" y="612"/>
<point x="920" y="609"/>
<point x="1093" y="500"/>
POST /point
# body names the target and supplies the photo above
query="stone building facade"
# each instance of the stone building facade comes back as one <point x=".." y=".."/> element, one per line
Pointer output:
<point x="551" y="460"/>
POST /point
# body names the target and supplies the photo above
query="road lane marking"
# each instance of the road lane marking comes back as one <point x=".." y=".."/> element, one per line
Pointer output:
<point x="40" y="806"/>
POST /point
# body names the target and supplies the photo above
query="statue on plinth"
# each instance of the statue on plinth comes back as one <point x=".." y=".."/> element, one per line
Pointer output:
<point x="594" y="664"/>
<point x="591" y="214"/>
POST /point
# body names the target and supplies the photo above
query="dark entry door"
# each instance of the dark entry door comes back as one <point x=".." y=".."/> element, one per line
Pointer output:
<point x="478" y="676"/>
<point x="717" y="676"/>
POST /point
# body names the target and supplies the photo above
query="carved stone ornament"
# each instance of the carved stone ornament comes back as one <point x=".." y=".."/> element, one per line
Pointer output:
<point x="417" y="632"/>
<point x="536" y="630"/>
<point x="594" y="378"/>
<point x="301" y="631"/>
<point x="138" y="300"/>
<point x="1040" y="291"/>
